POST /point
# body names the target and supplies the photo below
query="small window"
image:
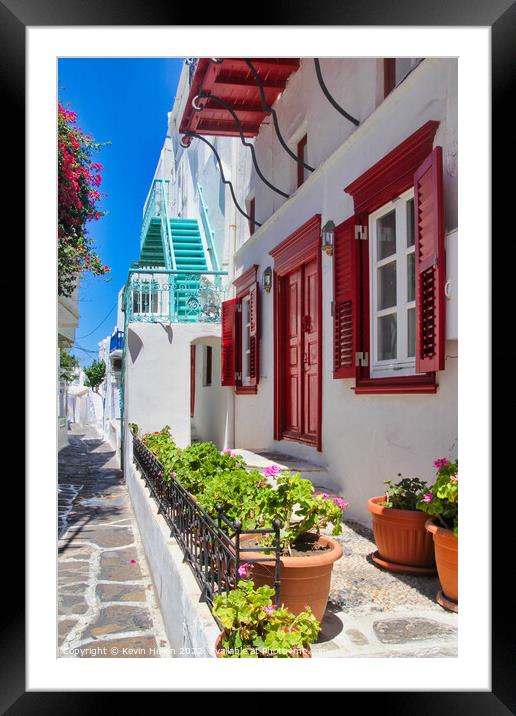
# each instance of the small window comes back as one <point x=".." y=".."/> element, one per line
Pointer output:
<point x="246" y="342"/>
<point x="207" y="365"/>
<point x="145" y="297"/>
<point x="252" y="215"/>
<point x="302" y="155"/>
<point x="393" y="288"/>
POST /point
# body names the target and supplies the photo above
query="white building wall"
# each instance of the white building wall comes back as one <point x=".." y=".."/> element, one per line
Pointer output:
<point x="158" y="377"/>
<point x="211" y="417"/>
<point x="366" y="439"/>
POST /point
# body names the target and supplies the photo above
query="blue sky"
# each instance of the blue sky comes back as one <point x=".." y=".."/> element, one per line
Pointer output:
<point x="124" y="101"/>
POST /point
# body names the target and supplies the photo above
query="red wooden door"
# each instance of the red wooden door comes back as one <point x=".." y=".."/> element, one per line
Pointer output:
<point x="192" y="380"/>
<point x="293" y="353"/>
<point x="301" y="354"/>
<point x="310" y="330"/>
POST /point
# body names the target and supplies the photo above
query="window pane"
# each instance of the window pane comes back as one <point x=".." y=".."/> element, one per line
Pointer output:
<point x="387" y="337"/>
<point x="387" y="286"/>
<point x="411" y="277"/>
<point x="410" y="222"/>
<point x="411" y="332"/>
<point x="386" y="235"/>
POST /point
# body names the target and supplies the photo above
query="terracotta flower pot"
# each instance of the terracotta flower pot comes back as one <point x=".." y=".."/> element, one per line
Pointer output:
<point x="447" y="558"/>
<point x="404" y="545"/>
<point x="219" y="651"/>
<point x="304" y="580"/>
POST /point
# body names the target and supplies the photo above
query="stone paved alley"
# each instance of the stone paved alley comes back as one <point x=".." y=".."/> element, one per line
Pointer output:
<point x="107" y="604"/>
<point x="106" y="601"/>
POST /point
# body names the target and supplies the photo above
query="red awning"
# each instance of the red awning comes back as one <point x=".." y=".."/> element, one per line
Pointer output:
<point x="232" y="81"/>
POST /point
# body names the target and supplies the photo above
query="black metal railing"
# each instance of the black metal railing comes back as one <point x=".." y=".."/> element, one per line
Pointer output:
<point x="211" y="547"/>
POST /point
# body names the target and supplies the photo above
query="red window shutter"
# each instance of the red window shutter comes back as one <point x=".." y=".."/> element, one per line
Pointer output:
<point x="430" y="263"/>
<point x="228" y="369"/>
<point x="346" y="299"/>
<point x="254" y="334"/>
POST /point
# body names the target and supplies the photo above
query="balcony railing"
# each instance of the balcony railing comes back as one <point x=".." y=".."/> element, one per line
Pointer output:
<point x="156" y="207"/>
<point x="117" y="341"/>
<point x="171" y="296"/>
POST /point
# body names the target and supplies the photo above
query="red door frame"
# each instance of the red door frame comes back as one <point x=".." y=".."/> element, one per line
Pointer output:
<point x="301" y="246"/>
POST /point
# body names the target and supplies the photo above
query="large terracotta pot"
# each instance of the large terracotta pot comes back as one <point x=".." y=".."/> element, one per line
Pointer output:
<point x="447" y="558"/>
<point x="404" y="545"/>
<point x="304" y="580"/>
<point x="307" y="654"/>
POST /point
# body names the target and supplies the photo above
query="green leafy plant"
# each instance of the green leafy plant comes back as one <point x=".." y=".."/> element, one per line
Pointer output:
<point x="133" y="427"/>
<point x="442" y="498"/>
<point x="95" y="375"/>
<point x="238" y="493"/>
<point x="294" y="502"/>
<point x="255" y="628"/>
<point x="199" y="463"/>
<point x="405" y="494"/>
<point x="67" y="365"/>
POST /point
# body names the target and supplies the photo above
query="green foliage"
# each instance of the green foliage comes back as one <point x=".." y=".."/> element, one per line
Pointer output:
<point x="133" y="427"/>
<point x="254" y="627"/>
<point x="405" y="494"/>
<point x="95" y="375"/>
<point x="68" y="365"/>
<point x="442" y="499"/>
<point x="237" y="493"/>
<point x="199" y="463"/>
<point x="300" y="509"/>
<point x="221" y="478"/>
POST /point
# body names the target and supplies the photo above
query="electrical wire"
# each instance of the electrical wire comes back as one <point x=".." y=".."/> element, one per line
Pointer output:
<point x="102" y="321"/>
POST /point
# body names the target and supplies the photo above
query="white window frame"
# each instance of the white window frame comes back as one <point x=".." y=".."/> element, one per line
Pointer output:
<point x="246" y="336"/>
<point x="403" y="364"/>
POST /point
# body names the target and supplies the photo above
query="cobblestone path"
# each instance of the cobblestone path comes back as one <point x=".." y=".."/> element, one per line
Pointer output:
<point x="375" y="613"/>
<point x="106" y="601"/>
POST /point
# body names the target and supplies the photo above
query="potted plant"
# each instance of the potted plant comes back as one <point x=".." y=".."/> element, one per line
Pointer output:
<point x="442" y="503"/>
<point x="307" y="556"/>
<point x="254" y="628"/>
<point x="403" y="543"/>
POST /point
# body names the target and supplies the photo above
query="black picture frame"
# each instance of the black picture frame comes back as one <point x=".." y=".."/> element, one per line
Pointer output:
<point x="500" y="15"/>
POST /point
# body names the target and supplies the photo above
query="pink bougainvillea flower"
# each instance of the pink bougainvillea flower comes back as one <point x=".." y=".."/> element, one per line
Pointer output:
<point x="441" y="462"/>
<point x="427" y="497"/>
<point x="245" y="570"/>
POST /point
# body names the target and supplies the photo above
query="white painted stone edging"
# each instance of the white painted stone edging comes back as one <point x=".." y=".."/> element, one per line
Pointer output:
<point x="189" y="625"/>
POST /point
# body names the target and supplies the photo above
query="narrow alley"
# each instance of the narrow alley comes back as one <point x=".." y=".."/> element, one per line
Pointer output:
<point x="106" y="600"/>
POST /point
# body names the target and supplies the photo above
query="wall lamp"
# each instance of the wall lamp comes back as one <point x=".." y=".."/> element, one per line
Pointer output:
<point x="267" y="279"/>
<point x="327" y="236"/>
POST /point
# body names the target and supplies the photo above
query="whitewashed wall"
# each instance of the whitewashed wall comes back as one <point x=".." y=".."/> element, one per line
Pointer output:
<point x="211" y="416"/>
<point x="366" y="439"/>
<point x="158" y="376"/>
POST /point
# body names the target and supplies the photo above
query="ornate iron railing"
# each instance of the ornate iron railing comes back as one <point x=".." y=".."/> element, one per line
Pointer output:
<point x="210" y="547"/>
<point x="162" y="296"/>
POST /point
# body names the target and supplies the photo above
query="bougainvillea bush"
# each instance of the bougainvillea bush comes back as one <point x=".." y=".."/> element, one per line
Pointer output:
<point x="78" y="183"/>
<point x="442" y="499"/>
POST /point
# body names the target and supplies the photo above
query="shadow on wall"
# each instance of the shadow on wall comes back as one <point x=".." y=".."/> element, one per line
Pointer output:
<point x="135" y="343"/>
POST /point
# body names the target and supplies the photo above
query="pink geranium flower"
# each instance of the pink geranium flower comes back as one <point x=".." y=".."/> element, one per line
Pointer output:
<point x="245" y="570"/>
<point x="271" y="471"/>
<point x="441" y="462"/>
<point x="269" y="610"/>
<point x="427" y="497"/>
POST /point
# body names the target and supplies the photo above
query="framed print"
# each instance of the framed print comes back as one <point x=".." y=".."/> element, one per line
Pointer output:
<point x="259" y="284"/>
